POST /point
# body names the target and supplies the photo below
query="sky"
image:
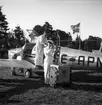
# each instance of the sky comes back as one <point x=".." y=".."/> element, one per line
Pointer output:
<point x="61" y="14"/>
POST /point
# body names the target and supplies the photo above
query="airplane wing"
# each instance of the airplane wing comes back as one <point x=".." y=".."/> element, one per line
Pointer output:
<point x="15" y="63"/>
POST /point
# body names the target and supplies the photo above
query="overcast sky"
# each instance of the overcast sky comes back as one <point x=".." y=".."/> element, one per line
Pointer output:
<point x="61" y="14"/>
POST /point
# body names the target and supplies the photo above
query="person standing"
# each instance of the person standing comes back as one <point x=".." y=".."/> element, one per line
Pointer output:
<point x="49" y="52"/>
<point x="39" y="49"/>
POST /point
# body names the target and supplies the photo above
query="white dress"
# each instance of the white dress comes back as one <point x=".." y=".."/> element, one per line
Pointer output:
<point x="47" y="61"/>
<point x="40" y="50"/>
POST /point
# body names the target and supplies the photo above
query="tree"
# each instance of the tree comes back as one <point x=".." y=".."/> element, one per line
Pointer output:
<point x="77" y="44"/>
<point x="11" y="41"/>
<point x="19" y="36"/>
<point x="47" y="27"/>
<point x="39" y="29"/>
<point x="85" y="45"/>
<point x="3" y="30"/>
<point x="65" y="38"/>
<point x="92" y="43"/>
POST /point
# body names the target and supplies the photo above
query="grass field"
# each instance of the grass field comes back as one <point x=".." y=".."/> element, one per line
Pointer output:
<point x="86" y="89"/>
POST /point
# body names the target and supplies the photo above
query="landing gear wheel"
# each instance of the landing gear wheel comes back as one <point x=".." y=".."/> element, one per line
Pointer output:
<point x="27" y="74"/>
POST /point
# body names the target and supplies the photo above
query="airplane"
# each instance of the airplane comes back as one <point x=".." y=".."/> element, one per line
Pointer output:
<point x="68" y="59"/>
<point x="65" y="59"/>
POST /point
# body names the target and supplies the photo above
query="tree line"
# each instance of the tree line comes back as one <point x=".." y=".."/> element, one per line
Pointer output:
<point x="15" y="38"/>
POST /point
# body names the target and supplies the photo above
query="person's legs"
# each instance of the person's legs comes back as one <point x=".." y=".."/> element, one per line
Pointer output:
<point x="46" y="67"/>
<point x="50" y="61"/>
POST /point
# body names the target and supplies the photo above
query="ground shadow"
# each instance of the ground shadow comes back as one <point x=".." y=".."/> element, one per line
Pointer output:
<point x="18" y="86"/>
<point x="86" y="87"/>
<point x="86" y="76"/>
<point x="86" y="80"/>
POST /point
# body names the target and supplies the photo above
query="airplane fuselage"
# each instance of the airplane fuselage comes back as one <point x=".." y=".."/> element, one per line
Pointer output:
<point x="80" y="59"/>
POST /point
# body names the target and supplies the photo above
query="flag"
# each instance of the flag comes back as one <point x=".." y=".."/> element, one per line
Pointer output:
<point x="75" y="28"/>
